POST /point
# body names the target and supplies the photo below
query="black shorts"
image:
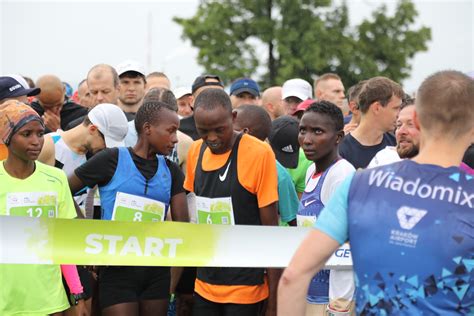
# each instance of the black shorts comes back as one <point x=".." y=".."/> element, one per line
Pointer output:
<point x="85" y="277"/>
<point x="132" y="284"/>
<point x="186" y="282"/>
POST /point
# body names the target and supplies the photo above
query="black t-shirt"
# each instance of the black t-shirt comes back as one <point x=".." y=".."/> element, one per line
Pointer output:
<point x="187" y="126"/>
<point x="359" y="155"/>
<point x="101" y="168"/>
<point x="468" y="158"/>
<point x="130" y="116"/>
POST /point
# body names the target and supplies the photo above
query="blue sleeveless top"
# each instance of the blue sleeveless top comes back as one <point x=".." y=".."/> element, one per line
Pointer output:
<point x="128" y="179"/>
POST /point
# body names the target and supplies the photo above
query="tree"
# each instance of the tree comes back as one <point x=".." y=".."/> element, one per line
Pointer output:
<point x="276" y="40"/>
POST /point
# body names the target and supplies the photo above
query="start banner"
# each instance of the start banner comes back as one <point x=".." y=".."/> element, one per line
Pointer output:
<point x="25" y="240"/>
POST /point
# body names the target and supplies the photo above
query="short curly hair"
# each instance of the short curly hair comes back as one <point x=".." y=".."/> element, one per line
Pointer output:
<point x="330" y="110"/>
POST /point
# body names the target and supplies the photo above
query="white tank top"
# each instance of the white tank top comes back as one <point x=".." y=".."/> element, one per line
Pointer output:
<point x="65" y="158"/>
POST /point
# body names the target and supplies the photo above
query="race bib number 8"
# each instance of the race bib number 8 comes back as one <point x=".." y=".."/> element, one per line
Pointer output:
<point x="32" y="204"/>
<point x="132" y="208"/>
<point x="214" y="211"/>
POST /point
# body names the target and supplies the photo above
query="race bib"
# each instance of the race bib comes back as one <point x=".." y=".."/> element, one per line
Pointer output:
<point x="214" y="211"/>
<point x="305" y="220"/>
<point x="132" y="208"/>
<point x="32" y="204"/>
<point x="96" y="198"/>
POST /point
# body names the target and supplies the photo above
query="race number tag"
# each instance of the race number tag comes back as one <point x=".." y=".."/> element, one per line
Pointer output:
<point x="32" y="204"/>
<point x="132" y="208"/>
<point x="305" y="220"/>
<point x="214" y="211"/>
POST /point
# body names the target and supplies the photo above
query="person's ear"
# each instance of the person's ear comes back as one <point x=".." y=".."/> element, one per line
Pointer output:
<point x="416" y="120"/>
<point x="376" y="107"/>
<point x="146" y="128"/>
<point x="92" y="129"/>
<point x="246" y="130"/>
<point x="339" y="137"/>
<point x="353" y="106"/>
<point x="234" y="116"/>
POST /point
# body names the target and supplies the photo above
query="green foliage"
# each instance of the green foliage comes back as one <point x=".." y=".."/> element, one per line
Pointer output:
<point x="282" y="39"/>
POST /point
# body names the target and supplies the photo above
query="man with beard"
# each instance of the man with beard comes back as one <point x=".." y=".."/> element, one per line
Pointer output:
<point x="407" y="136"/>
<point x="426" y="237"/>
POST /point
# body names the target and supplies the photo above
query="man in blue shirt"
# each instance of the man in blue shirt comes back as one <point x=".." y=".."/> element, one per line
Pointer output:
<point x="410" y="223"/>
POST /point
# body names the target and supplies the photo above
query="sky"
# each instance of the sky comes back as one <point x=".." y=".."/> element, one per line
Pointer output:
<point x="67" y="37"/>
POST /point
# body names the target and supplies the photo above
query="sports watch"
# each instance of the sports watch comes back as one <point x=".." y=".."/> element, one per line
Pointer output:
<point x="74" y="298"/>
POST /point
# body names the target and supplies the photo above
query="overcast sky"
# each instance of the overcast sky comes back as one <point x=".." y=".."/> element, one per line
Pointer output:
<point x="66" y="37"/>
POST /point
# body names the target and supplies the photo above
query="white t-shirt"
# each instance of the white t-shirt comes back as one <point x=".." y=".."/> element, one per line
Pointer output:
<point x="336" y="174"/>
<point x="386" y="156"/>
<point x="341" y="282"/>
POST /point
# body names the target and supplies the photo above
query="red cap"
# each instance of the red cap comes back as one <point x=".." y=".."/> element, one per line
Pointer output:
<point x="303" y="106"/>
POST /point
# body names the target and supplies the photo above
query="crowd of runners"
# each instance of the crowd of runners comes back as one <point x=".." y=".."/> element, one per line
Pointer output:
<point x="387" y="172"/>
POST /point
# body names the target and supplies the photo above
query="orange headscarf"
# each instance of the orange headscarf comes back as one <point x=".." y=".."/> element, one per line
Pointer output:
<point x="13" y="116"/>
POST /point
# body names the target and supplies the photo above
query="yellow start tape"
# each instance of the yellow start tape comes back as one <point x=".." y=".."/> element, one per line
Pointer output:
<point x="26" y="240"/>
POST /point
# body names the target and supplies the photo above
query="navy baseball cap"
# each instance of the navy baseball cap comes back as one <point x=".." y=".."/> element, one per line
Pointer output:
<point x="13" y="86"/>
<point x="245" y="85"/>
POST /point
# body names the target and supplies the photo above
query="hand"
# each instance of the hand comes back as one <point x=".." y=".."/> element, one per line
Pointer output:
<point x="94" y="271"/>
<point x="350" y="127"/>
<point x="81" y="309"/>
<point x="52" y="120"/>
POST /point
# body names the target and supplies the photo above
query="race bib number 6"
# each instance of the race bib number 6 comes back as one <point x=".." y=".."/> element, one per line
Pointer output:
<point x="214" y="211"/>
<point x="132" y="208"/>
<point x="32" y="204"/>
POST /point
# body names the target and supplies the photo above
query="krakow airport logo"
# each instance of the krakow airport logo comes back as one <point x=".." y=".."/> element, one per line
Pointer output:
<point x="408" y="217"/>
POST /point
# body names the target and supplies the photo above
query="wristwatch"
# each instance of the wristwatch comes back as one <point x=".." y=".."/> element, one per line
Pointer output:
<point x="74" y="298"/>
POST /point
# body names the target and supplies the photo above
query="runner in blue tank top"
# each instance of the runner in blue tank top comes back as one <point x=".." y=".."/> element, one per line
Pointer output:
<point x="138" y="184"/>
<point x="410" y="224"/>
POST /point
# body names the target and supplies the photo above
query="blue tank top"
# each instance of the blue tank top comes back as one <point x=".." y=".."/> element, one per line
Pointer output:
<point x="128" y="179"/>
<point x="311" y="205"/>
<point x="411" y="229"/>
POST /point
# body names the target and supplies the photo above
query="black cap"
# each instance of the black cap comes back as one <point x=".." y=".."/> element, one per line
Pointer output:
<point x="15" y="86"/>
<point x="200" y="82"/>
<point x="284" y="141"/>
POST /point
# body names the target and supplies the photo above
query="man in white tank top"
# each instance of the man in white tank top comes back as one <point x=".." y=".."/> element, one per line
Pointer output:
<point x="104" y="126"/>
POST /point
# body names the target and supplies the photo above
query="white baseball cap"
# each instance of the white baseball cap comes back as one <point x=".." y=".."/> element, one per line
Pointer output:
<point x="111" y="122"/>
<point x="181" y="92"/>
<point x="130" y="65"/>
<point x="297" y="88"/>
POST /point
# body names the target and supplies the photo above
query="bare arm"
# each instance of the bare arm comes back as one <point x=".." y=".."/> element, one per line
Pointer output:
<point x="269" y="217"/>
<point x="47" y="152"/>
<point x="76" y="184"/>
<point x="300" y="194"/>
<point x="179" y="213"/>
<point x="179" y="208"/>
<point x="295" y="280"/>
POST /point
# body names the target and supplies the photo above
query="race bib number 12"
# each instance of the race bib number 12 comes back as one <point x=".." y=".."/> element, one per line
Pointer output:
<point x="32" y="204"/>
